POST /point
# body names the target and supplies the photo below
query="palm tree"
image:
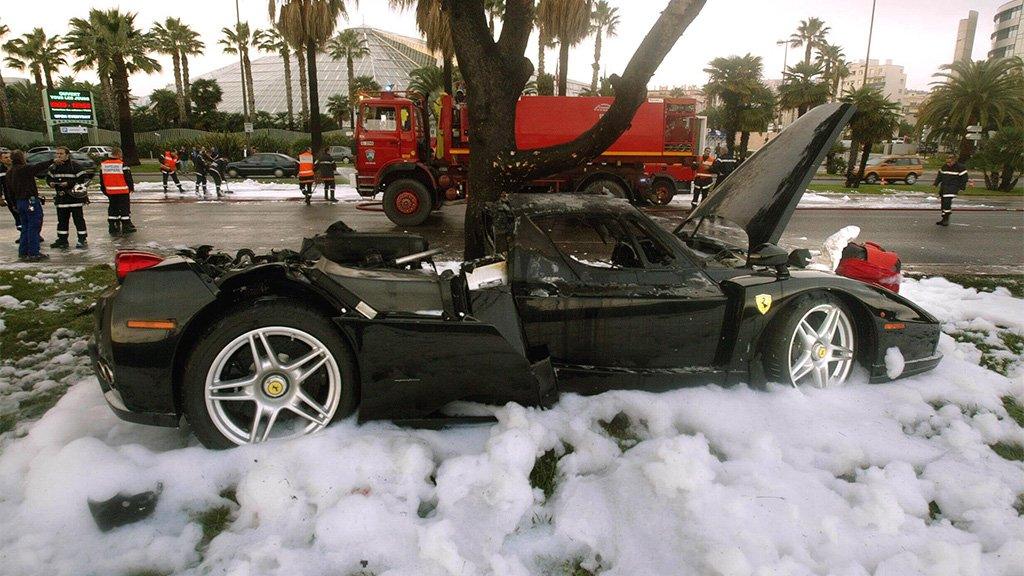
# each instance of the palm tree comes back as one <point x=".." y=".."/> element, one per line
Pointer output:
<point x="189" y="44"/>
<point x="37" y="53"/>
<point x="757" y="112"/>
<point x="568" y="22"/>
<point x="603" y="21"/>
<point x="494" y="9"/>
<point x="338" y="106"/>
<point x="985" y="93"/>
<point x="434" y="25"/>
<point x="5" y="105"/>
<point x="809" y="34"/>
<point x="802" y="88"/>
<point x="349" y="45"/>
<point x="310" y="24"/>
<point x="876" y="119"/>
<point x="167" y="38"/>
<point x="120" y="49"/>
<point x="834" y="66"/>
<point x="271" y="41"/>
<point x="365" y="84"/>
<point x="83" y="43"/>
<point x="734" y="84"/>
<point x="300" y="57"/>
<point x="544" y="41"/>
<point x="236" y="41"/>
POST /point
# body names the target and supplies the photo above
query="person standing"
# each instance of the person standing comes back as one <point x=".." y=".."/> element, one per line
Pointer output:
<point x="306" y="174"/>
<point x="704" y="178"/>
<point x="21" y="178"/>
<point x="169" y="169"/>
<point x="325" y="167"/>
<point x="951" y="180"/>
<point x="117" y="185"/>
<point x="70" y="196"/>
<point x="723" y="166"/>
<point x="201" y="167"/>
<point x="7" y="199"/>
<point x="213" y="168"/>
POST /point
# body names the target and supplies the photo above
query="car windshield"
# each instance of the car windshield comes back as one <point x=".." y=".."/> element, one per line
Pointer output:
<point x="713" y="238"/>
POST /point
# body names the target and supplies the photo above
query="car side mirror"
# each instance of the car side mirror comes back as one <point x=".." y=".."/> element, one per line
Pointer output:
<point x="770" y="255"/>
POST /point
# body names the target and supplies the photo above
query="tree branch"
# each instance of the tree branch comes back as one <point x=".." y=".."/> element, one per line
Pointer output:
<point x="630" y="93"/>
<point x="516" y="26"/>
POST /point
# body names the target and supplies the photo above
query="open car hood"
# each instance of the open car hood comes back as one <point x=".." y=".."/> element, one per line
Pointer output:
<point x="761" y="194"/>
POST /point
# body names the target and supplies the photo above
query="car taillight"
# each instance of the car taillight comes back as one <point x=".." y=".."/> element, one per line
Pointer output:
<point x="127" y="261"/>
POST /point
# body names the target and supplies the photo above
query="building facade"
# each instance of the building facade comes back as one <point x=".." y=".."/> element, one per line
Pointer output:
<point x="889" y="78"/>
<point x="965" y="37"/>
<point x="911" y="105"/>
<point x="1008" y="37"/>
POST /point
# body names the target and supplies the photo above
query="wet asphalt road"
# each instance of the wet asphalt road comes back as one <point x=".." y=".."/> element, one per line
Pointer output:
<point x="989" y="241"/>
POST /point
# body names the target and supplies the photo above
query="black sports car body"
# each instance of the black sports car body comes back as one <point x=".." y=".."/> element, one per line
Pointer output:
<point x="577" y="293"/>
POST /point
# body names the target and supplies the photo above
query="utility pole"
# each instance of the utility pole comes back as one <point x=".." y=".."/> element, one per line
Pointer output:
<point x="785" y="61"/>
<point x="871" y="31"/>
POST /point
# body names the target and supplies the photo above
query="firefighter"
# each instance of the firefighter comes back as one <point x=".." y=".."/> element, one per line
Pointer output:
<point x="704" y="178"/>
<point x="951" y="180"/>
<point x="213" y="168"/>
<point x="723" y="166"/>
<point x="169" y="168"/>
<point x="117" y="185"/>
<point x="325" y="167"/>
<point x="201" y="167"/>
<point x="70" y="196"/>
<point x="306" y="174"/>
<point x="8" y="195"/>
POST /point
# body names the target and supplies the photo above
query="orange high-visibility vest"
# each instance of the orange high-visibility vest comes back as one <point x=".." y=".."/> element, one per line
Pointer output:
<point x="112" y="176"/>
<point x="170" y="161"/>
<point x="306" y="164"/>
<point x="704" y="170"/>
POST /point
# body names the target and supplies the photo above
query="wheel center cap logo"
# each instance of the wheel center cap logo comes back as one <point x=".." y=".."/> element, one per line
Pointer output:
<point x="275" y="386"/>
<point x="822" y="352"/>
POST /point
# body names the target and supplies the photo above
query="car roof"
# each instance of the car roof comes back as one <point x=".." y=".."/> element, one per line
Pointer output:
<point x="559" y="203"/>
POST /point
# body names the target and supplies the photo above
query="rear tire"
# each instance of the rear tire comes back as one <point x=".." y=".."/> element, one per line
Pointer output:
<point x="407" y="202"/>
<point x="662" y="191"/>
<point x="278" y="173"/>
<point x="233" y="173"/>
<point x="911" y="178"/>
<point x="224" y="352"/>
<point x="606" y="187"/>
<point x="801" y="346"/>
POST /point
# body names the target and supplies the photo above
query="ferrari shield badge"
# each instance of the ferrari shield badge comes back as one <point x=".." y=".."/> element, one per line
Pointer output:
<point x="764" y="302"/>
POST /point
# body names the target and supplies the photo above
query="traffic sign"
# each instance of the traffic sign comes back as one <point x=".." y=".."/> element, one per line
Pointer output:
<point x="974" y="128"/>
<point x="248" y="127"/>
<point x="974" y="136"/>
<point x="74" y="129"/>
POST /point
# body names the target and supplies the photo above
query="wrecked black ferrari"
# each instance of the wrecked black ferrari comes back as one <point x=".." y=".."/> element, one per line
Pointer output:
<point x="577" y="293"/>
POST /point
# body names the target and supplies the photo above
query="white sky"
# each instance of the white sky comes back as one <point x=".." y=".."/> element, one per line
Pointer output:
<point x="917" y="34"/>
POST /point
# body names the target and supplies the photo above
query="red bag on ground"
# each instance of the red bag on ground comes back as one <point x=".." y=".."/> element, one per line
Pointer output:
<point x="871" y="263"/>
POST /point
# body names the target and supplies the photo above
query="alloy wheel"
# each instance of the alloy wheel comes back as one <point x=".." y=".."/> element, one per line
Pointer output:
<point x="821" y="348"/>
<point x="272" y="382"/>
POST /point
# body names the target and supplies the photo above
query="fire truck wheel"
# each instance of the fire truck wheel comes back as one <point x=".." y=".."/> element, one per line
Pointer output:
<point x="606" y="187"/>
<point x="407" y="202"/>
<point x="662" y="191"/>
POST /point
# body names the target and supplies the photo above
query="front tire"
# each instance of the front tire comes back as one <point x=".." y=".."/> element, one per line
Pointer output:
<point x="812" y="342"/>
<point x="911" y="178"/>
<point x="407" y="202"/>
<point x="267" y="370"/>
<point x="278" y="173"/>
<point x="871" y="178"/>
<point x="606" y="187"/>
<point x="662" y="191"/>
<point x="233" y="173"/>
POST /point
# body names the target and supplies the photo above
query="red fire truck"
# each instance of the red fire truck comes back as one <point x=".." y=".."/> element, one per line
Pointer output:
<point x="419" y="160"/>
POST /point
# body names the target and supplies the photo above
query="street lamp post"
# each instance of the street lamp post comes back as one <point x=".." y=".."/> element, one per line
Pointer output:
<point x="871" y="31"/>
<point x="785" y="61"/>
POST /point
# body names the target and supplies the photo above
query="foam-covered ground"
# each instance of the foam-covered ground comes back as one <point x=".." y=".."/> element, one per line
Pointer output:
<point x="894" y="479"/>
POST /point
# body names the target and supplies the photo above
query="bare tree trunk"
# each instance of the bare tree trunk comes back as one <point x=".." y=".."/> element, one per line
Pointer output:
<point x="5" y="105"/>
<point x="179" y="89"/>
<point x="314" y="99"/>
<point x="597" y="61"/>
<point x="540" y="54"/>
<point x="48" y="72"/>
<point x="124" y="111"/>
<point x="252" y="87"/>
<point x="109" y="115"/>
<point x="563" y="68"/>
<point x="744" y="143"/>
<point x="851" y="163"/>
<point x="446" y="75"/>
<point x="496" y="73"/>
<point x="241" y="74"/>
<point x="865" y="153"/>
<point x="186" y="86"/>
<point x="287" y="57"/>
<point x="300" y="54"/>
<point x="351" y="90"/>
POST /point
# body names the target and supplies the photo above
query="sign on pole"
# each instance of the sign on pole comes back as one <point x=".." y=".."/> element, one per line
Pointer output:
<point x="70" y="106"/>
<point x="974" y="136"/>
<point x="974" y="128"/>
<point x="74" y="129"/>
<point x="248" y="127"/>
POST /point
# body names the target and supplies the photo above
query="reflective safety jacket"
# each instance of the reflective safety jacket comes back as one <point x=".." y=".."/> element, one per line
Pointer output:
<point x="64" y="178"/>
<point x="723" y="166"/>
<point x="306" y="166"/>
<point x="705" y="176"/>
<point x="169" y="163"/>
<point x="115" y="177"/>
<point x="951" y="179"/>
